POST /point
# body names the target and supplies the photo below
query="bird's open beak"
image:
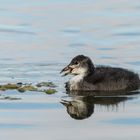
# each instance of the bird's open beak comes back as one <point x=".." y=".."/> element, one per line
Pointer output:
<point x="65" y="103"/>
<point x="67" y="70"/>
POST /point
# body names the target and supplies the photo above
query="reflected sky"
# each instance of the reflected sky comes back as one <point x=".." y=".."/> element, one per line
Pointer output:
<point x="125" y="121"/>
<point x="17" y="126"/>
<point x="34" y="30"/>
<point x="38" y="38"/>
<point x="30" y="106"/>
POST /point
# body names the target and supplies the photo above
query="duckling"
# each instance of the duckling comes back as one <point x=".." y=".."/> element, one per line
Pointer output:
<point x="87" y="77"/>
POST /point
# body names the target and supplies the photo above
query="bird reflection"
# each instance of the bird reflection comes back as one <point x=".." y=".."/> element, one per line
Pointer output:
<point x="80" y="105"/>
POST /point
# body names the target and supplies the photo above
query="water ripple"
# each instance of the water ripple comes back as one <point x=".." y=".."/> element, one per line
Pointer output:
<point x="128" y="34"/>
<point x="16" y="31"/>
<point x="126" y="121"/>
<point x="15" y="125"/>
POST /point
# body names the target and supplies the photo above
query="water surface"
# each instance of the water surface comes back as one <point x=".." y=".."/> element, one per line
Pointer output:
<point x="38" y="38"/>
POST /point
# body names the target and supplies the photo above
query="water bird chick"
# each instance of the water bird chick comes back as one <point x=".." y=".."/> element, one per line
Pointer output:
<point x="87" y="77"/>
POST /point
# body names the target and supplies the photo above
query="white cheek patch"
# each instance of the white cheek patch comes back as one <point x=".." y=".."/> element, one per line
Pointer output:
<point x="79" y="71"/>
<point x="82" y="70"/>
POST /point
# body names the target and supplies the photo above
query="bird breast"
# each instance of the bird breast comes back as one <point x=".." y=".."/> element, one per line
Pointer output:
<point x="76" y="82"/>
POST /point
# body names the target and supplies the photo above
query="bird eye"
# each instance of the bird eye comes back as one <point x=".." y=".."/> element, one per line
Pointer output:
<point x="76" y="63"/>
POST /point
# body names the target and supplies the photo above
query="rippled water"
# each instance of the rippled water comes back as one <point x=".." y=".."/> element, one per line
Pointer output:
<point x="38" y="38"/>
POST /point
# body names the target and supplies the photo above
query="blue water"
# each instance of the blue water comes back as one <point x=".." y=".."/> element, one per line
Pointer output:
<point x="125" y="121"/>
<point x="38" y="38"/>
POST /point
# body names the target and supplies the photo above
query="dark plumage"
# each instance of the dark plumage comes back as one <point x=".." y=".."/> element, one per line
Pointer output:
<point x="102" y="78"/>
<point x="108" y="78"/>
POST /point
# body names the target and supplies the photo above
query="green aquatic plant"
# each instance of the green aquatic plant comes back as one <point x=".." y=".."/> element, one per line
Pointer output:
<point x="50" y="91"/>
<point x="27" y="88"/>
<point x="8" y="86"/>
<point x="46" y="87"/>
<point x="46" y="84"/>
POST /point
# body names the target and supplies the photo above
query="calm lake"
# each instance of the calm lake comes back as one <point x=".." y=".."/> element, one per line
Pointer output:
<point x="38" y="38"/>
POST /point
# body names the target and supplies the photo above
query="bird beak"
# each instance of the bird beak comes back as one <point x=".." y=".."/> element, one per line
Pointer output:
<point x="67" y="70"/>
<point x="65" y="103"/>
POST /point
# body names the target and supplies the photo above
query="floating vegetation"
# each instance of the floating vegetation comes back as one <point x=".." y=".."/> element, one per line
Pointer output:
<point x="9" y="98"/>
<point x="27" y="88"/>
<point x="9" y="86"/>
<point x="46" y="87"/>
<point x="50" y="91"/>
<point x="46" y="84"/>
